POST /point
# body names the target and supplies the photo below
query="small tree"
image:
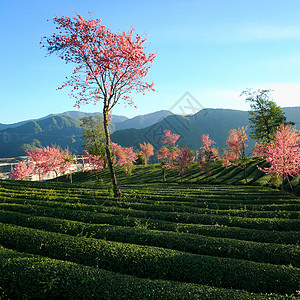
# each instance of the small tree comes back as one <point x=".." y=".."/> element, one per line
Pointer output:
<point x="22" y="171"/>
<point x="207" y="154"/>
<point x="124" y="157"/>
<point x="236" y="155"/>
<point x="67" y="164"/>
<point x="146" y="152"/>
<point x="93" y="136"/>
<point x="169" y="152"/>
<point x="39" y="161"/>
<point x="109" y="67"/>
<point x="265" y="115"/>
<point x="183" y="161"/>
<point x="283" y="153"/>
<point x="93" y="163"/>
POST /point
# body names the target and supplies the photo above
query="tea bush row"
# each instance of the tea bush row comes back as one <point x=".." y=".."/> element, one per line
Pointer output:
<point x="209" y="219"/>
<point x="153" y="262"/>
<point x="221" y="247"/>
<point x="45" y="278"/>
<point x="280" y="237"/>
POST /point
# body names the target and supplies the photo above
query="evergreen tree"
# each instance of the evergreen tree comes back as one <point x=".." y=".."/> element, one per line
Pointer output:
<point x="265" y="115"/>
<point x="93" y="136"/>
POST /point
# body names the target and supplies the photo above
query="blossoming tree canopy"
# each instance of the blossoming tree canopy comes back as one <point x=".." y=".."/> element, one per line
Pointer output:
<point x="283" y="153"/>
<point x="22" y="171"/>
<point x="147" y="150"/>
<point x="109" y="65"/>
<point x="170" y="138"/>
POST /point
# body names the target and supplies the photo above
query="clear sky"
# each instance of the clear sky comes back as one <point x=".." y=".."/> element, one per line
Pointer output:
<point x="212" y="49"/>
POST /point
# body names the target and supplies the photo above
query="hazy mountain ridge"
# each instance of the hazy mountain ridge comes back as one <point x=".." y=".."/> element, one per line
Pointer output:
<point x="72" y="114"/>
<point x="65" y="130"/>
<point x="56" y="130"/>
<point x="215" y="122"/>
<point x="143" y="121"/>
<point x="60" y="129"/>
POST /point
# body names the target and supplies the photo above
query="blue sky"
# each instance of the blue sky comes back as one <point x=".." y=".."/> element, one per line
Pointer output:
<point x="212" y="49"/>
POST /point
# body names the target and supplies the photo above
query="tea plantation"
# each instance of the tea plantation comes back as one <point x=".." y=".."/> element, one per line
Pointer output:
<point x="196" y="237"/>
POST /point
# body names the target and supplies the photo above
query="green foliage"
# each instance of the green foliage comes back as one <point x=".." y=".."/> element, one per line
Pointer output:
<point x="93" y="136"/>
<point x="153" y="262"/>
<point x="265" y="115"/>
<point x="161" y="240"/>
<point x="259" y="252"/>
<point x="46" y="278"/>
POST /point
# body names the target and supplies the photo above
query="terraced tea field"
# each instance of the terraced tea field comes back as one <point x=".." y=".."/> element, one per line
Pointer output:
<point x="161" y="241"/>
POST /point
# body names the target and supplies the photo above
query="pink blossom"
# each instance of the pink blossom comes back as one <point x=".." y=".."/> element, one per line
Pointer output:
<point x="22" y="171"/>
<point x="283" y="153"/>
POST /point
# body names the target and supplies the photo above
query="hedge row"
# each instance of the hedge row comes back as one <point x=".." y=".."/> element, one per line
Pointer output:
<point x="253" y="251"/>
<point x="32" y="276"/>
<point x="278" y="237"/>
<point x="153" y="262"/>
<point x="199" y="208"/>
<point x="211" y="219"/>
<point x="196" y="205"/>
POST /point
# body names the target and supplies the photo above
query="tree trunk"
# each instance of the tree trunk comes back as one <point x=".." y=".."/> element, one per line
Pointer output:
<point x="117" y="193"/>
<point x="245" y="177"/>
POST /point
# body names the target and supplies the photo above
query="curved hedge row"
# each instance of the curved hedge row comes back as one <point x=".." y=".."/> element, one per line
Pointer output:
<point x="153" y="262"/>
<point x="208" y="219"/>
<point x="46" y="278"/>
<point x="259" y="252"/>
<point x="265" y="236"/>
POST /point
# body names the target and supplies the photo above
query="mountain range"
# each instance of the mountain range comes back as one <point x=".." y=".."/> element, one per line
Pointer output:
<point x="64" y="129"/>
<point x="61" y="129"/>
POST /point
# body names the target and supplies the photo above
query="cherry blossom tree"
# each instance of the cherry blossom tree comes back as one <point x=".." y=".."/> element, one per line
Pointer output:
<point x="260" y="149"/>
<point x="208" y="154"/>
<point x="235" y="155"/>
<point x="54" y="160"/>
<point x="169" y="151"/>
<point x="22" y="171"/>
<point x="93" y="163"/>
<point x="183" y="161"/>
<point x="146" y="152"/>
<point x="39" y="160"/>
<point x="124" y="157"/>
<point x="169" y="138"/>
<point x="67" y="164"/>
<point x="283" y="153"/>
<point x="110" y="66"/>
<point x="50" y="159"/>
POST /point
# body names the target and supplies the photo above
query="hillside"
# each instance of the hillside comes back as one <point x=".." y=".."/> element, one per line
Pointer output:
<point x="143" y="121"/>
<point x="215" y="122"/>
<point x="175" y="240"/>
<point x="64" y="129"/>
<point x="56" y="130"/>
<point x="74" y="114"/>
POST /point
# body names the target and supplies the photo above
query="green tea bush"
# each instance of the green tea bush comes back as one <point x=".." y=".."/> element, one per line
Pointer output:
<point x="260" y="252"/>
<point x="279" y="237"/>
<point x="32" y="276"/>
<point x="153" y="262"/>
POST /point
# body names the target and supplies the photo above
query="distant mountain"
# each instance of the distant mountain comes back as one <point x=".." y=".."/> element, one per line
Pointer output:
<point x="13" y="125"/>
<point x="215" y="122"/>
<point x="65" y="131"/>
<point x="293" y="114"/>
<point x="79" y="115"/>
<point x="143" y="120"/>
<point x="57" y="130"/>
<point x="73" y="114"/>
